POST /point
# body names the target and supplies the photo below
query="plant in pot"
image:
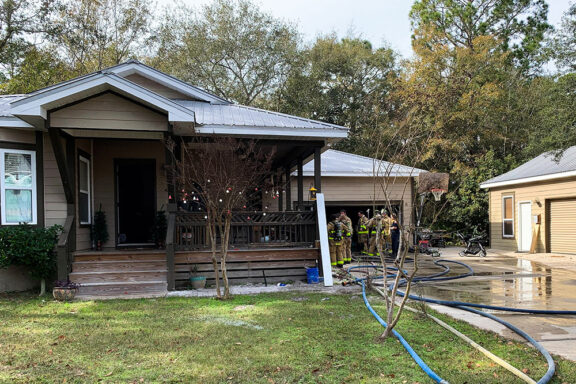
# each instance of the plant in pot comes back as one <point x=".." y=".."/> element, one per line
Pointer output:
<point x="65" y="290"/>
<point x="197" y="281"/>
<point x="99" y="229"/>
<point x="159" y="230"/>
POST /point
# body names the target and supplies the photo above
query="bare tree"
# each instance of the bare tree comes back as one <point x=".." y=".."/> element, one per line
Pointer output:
<point x="226" y="174"/>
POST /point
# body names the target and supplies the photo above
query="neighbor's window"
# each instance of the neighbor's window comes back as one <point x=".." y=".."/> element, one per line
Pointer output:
<point x="84" y="187"/>
<point x="508" y="216"/>
<point x="18" y="186"/>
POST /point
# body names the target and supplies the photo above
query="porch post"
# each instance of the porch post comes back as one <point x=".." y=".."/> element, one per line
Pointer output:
<point x="280" y="193"/>
<point x="288" y="190"/>
<point x="317" y="170"/>
<point x="300" y="184"/>
<point x="170" y="169"/>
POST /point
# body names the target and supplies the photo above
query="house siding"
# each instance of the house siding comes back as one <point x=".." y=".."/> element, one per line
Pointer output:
<point x="111" y="112"/>
<point x="359" y="189"/>
<point x="55" y="207"/>
<point x="541" y="191"/>
<point x="17" y="136"/>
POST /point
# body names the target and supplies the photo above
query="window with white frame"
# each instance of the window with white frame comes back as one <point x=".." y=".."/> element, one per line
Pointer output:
<point x="508" y="216"/>
<point x="84" y="191"/>
<point x="18" y="186"/>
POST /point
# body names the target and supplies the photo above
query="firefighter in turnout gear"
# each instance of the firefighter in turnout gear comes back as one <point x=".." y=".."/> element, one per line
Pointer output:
<point x="363" y="231"/>
<point x="336" y="233"/>
<point x="386" y="223"/>
<point x="377" y="227"/>
<point x="344" y="219"/>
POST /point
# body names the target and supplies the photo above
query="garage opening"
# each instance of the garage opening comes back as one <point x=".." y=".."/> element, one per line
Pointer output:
<point x="561" y="225"/>
<point x="352" y="210"/>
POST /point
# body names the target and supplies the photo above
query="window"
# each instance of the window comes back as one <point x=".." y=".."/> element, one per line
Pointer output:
<point x="84" y="191"/>
<point x="507" y="216"/>
<point x="18" y="186"/>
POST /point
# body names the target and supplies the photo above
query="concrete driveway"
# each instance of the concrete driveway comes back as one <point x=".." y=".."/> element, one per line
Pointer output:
<point x="511" y="281"/>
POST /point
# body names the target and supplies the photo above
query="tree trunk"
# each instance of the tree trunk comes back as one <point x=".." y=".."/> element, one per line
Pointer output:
<point x="224" y="256"/>
<point x="212" y="236"/>
<point x="42" y="287"/>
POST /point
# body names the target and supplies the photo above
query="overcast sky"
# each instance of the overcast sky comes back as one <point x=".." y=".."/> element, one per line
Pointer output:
<point x="375" y="20"/>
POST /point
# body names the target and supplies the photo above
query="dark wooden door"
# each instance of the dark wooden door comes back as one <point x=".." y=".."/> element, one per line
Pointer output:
<point x="135" y="201"/>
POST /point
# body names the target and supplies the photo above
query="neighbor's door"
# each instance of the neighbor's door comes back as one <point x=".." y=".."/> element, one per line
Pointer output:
<point x="525" y="218"/>
<point x="135" y="201"/>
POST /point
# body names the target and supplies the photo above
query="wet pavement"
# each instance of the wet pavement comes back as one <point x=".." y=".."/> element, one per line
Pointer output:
<point x="510" y="282"/>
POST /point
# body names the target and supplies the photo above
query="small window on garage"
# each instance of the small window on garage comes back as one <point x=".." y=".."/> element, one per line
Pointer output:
<point x="508" y="216"/>
<point x="84" y="188"/>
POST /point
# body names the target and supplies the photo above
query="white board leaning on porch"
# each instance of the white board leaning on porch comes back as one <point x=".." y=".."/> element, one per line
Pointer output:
<point x="323" y="231"/>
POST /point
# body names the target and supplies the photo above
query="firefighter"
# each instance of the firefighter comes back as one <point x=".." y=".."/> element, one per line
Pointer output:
<point x="347" y="244"/>
<point x="336" y="233"/>
<point x="386" y="224"/>
<point x="363" y="232"/>
<point x="375" y="229"/>
<point x="395" y="234"/>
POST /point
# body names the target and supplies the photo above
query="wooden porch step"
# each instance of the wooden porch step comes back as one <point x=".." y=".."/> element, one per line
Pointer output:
<point x="119" y="265"/>
<point x="120" y="256"/>
<point x="124" y="289"/>
<point x="118" y="277"/>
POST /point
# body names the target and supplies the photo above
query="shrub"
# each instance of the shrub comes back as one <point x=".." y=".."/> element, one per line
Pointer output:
<point x="31" y="247"/>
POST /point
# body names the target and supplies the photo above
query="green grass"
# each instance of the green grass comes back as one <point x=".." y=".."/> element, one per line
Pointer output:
<point x="271" y="338"/>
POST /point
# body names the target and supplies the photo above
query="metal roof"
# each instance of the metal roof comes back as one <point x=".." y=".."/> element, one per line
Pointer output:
<point x="242" y="116"/>
<point x="5" y="101"/>
<point x="338" y="163"/>
<point x="543" y="167"/>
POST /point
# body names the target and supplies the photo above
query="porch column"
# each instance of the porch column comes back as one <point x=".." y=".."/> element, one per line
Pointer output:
<point x="170" y="171"/>
<point x="300" y="184"/>
<point x="317" y="170"/>
<point x="288" y="190"/>
<point x="280" y="193"/>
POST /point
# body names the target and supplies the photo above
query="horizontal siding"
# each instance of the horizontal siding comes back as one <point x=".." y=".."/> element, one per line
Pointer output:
<point x="55" y="208"/>
<point x="156" y="87"/>
<point x="541" y="191"/>
<point x="17" y="136"/>
<point x="109" y="111"/>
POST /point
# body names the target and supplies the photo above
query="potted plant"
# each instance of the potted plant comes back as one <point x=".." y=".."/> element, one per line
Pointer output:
<point x="99" y="229"/>
<point x="197" y="282"/>
<point x="160" y="228"/>
<point x="65" y="290"/>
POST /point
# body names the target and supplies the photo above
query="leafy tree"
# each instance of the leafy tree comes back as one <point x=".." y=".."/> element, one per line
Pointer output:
<point x="100" y="33"/>
<point x="231" y="48"/>
<point x="519" y="25"/>
<point x="20" y="22"/>
<point x="345" y="82"/>
<point x="563" y="43"/>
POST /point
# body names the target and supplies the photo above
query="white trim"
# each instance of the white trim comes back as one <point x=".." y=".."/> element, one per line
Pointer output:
<point x="13" y="122"/>
<point x="38" y="105"/>
<point x="297" y="133"/>
<point x="82" y="159"/>
<point x="532" y="179"/>
<point x="513" y="219"/>
<point x="33" y="188"/>
<point x="520" y="234"/>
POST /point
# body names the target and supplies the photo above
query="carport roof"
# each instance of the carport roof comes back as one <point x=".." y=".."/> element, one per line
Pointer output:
<point x="544" y="167"/>
<point x="338" y="163"/>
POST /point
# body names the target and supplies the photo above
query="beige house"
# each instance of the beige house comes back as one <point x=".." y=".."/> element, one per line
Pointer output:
<point x="97" y="142"/>
<point x="533" y="207"/>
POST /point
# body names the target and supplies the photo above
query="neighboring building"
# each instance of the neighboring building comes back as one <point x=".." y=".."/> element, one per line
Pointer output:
<point x="536" y="199"/>
<point x="98" y="141"/>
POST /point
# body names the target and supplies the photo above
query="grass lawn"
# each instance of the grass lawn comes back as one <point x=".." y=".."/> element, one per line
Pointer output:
<point x="269" y="338"/>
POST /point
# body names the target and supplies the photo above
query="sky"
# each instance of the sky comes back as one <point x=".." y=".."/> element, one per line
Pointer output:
<point x="382" y="22"/>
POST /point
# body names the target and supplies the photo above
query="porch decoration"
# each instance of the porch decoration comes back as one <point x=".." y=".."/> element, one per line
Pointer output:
<point x="197" y="282"/>
<point x="99" y="229"/>
<point x="65" y="290"/>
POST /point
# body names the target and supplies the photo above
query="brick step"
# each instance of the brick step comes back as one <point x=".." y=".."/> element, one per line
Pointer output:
<point x="126" y="289"/>
<point x="118" y="265"/>
<point x="120" y="256"/>
<point x="118" y="277"/>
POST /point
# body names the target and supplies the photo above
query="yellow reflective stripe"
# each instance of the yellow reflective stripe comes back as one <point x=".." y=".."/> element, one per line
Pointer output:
<point x="333" y="263"/>
<point x="340" y="263"/>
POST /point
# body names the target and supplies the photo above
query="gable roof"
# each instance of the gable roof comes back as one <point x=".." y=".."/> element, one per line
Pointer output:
<point x="543" y="167"/>
<point x="206" y="114"/>
<point x="338" y="163"/>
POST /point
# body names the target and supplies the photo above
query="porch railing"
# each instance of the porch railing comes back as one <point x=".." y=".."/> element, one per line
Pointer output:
<point x="64" y="248"/>
<point x="248" y="230"/>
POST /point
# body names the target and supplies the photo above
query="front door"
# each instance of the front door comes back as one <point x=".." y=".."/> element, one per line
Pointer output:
<point x="135" y="201"/>
<point x="525" y="217"/>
